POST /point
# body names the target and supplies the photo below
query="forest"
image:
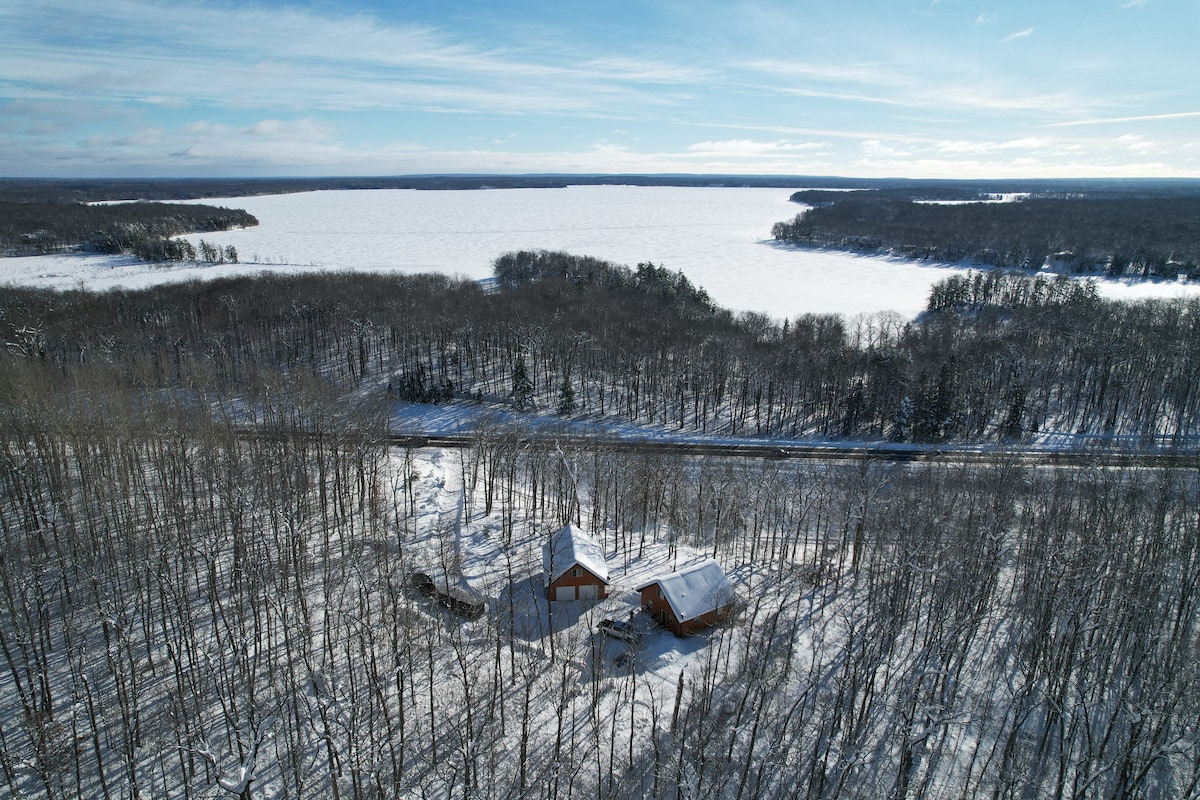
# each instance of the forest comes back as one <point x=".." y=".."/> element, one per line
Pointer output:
<point x="997" y="357"/>
<point x="89" y="190"/>
<point x="207" y="544"/>
<point x="1146" y="236"/>
<point x="143" y="229"/>
<point x="92" y="190"/>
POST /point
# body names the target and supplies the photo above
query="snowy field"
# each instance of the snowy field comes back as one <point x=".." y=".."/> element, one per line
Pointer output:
<point x="718" y="237"/>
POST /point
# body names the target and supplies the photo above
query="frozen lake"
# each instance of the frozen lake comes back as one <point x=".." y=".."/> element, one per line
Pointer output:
<point x="718" y="237"/>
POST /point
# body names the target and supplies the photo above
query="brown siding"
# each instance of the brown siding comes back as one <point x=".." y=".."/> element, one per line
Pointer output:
<point x="660" y="609"/>
<point x="703" y="621"/>
<point x="585" y="578"/>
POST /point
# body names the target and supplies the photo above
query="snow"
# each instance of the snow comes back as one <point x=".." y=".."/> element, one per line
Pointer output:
<point x="461" y="418"/>
<point x="239" y="784"/>
<point x="695" y="590"/>
<point x="103" y="272"/>
<point x="785" y="659"/>
<point x="1003" y="197"/>
<point x="719" y="237"/>
<point x="506" y="572"/>
<point x="571" y="546"/>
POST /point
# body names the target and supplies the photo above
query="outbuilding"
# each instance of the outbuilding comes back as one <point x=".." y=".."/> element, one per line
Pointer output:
<point x="690" y="599"/>
<point x="575" y="566"/>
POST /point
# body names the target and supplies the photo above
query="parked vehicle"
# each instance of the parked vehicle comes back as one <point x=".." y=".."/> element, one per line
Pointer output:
<point x="620" y="629"/>
<point x="424" y="584"/>
<point x="460" y="601"/>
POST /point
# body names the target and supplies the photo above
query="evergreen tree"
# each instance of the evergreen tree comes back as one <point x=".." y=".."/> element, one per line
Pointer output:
<point x="1012" y="428"/>
<point x="522" y="387"/>
<point x="566" y="398"/>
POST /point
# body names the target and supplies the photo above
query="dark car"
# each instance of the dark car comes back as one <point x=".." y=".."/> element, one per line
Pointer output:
<point x="460" y="601"/>
<point x="620" y="629"/>
<point x="424" y="584"/>
<point x="464" y="603"/>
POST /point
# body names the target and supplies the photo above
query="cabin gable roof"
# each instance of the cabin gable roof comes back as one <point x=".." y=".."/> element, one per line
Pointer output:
<point x="571" y="547"/>
<point x="695" y="590"/>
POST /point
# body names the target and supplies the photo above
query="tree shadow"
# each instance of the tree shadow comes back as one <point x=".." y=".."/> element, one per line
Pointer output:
<point x="533" y="617"/>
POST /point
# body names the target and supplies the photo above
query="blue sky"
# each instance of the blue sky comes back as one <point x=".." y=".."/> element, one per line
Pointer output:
<point x="930" y="88"/>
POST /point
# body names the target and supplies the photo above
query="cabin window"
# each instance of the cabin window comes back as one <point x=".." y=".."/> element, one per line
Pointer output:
<point x="575" y="573"/>
<point x="659" y="590"/>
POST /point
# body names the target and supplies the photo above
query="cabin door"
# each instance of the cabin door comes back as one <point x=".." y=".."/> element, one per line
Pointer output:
<point x="564" y="593"/>
<point x="588" y="592"/>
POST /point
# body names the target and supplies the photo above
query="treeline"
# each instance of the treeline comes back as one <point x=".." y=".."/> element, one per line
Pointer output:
<point x="166" y="189"/>
<point x="144" y="229"/>
<point x="189" y="612"/>
<point x="87" y="190"/>
<point x="155" y="248"/>
<point x="525" y="267"/>
<point x="996" y="357"/>
<point x="1129" y="236"/>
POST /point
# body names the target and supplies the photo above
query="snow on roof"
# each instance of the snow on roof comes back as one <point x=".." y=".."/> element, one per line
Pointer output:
<point x="695" y="590"/>
<point x="571" y="546"/>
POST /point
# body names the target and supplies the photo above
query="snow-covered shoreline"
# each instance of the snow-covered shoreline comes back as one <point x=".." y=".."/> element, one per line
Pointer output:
<point x="718" y="237"/>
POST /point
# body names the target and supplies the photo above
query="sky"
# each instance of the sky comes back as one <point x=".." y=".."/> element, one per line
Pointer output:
<point x="922" y="89"/>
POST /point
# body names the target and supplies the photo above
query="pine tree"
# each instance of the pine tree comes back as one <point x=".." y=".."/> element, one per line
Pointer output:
<point x="566" y="398"/>
<point x="1012" y="427"/>
<point x="522" y="387"/>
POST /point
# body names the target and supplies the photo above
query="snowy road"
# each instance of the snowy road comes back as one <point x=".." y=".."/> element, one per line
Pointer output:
<point x="848" y="451"/>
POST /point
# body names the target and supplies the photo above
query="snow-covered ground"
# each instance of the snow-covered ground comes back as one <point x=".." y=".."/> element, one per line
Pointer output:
<point x="244" y="618"/>
<point x="464" y="418"/>
<point x="578" y="665"/>
<point x="719" y="237"/>
<point x="481" y="558"/>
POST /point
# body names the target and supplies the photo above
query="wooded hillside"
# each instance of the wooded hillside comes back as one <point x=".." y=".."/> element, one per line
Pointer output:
<point x="996" y="356"/>
<point x="1148" y="237"/>
<point x="37" y="228"/>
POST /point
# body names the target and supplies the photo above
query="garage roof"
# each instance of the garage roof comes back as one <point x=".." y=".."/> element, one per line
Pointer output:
<point x="571" y="546"/>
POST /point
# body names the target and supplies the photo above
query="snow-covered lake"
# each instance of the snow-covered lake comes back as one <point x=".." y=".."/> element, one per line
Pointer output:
<point x="719" y="237"/>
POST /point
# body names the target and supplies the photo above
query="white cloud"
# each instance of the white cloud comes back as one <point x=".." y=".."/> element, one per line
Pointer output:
<point x="137" y="50"/>
<point x="209" y="84"/>
<point x="269" y="142"/>
<point x="877" y="149"/>
<point x="1021" y="34"/>
<point x="274" y="146"/>
<point x="1136" y="143"/>
<point x="984" y="147"/>
<point x="979" y="96"/>
<point x="40" y="117"/>
<point x="929" y="166"/>
<point x="647" y="71"/>
<point x="820" y="70"/>
<point x="1144" y="118"/>
<point x="916" y="87"/>
<point x="750" y="148"/>
<point x="1029" y="142"/>
<point x="962" y="147"/>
